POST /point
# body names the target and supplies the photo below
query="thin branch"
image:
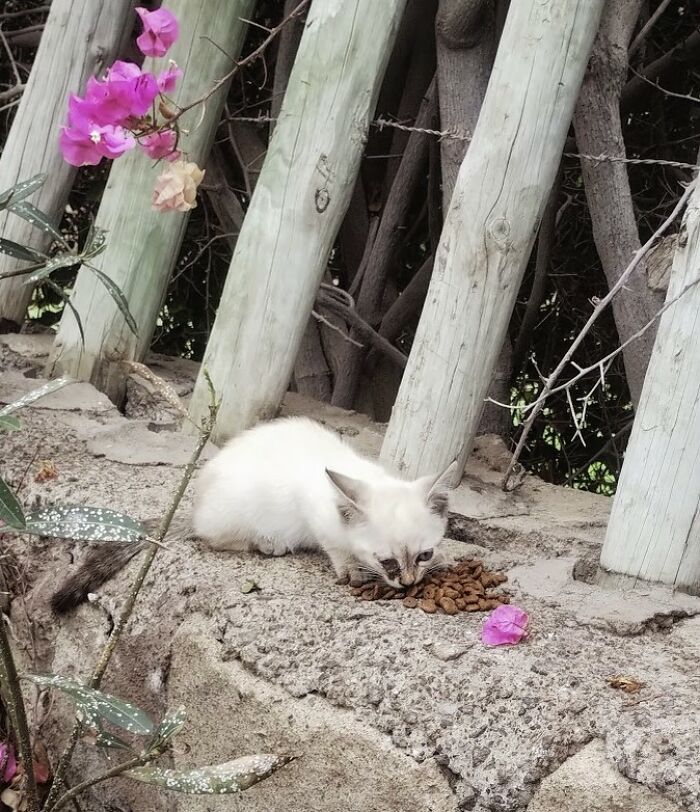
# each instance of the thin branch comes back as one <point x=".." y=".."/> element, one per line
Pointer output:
<point x="646" y="28"/>
<point x="548" y="387"/>
<point x="248" y="59"/>
<point x="12" y="694"/>
<point x="118" y="769"/>
<point x="665" y="91"/>
<point x="128" y="607"/>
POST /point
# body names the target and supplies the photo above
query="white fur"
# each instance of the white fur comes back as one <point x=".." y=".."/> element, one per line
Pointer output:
<point x="267" y="489"/>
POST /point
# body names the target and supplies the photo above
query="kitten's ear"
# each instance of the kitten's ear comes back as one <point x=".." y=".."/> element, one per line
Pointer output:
<point x="436" y="487"/>
<point x="351" y="490"/>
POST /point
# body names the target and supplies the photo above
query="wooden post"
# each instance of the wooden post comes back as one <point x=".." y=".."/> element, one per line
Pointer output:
<point x="654" y="528"/>
<point x="302" y="194"/>
<point x="143" y="244"/>
<point x="79" y="40"/>
<point x="499" y="196"/>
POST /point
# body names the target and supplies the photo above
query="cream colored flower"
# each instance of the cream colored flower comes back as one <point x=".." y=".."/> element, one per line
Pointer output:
<point x="176" y="187"/>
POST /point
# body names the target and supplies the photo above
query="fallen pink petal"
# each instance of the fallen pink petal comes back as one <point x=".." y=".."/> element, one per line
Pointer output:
<point x="505" y="626"/>
<point x="160" y="31"/>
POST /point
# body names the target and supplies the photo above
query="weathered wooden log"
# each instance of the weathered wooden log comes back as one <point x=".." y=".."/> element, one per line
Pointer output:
<point x="489" y="229"/>
<point x="143" y="244"/>
<point x="79" y="40"/>
<point x="302" y="194"/>
<point x="654" y="528"/>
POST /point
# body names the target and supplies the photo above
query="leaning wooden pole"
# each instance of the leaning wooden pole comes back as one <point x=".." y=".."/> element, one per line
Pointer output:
<point x="499" y="196"/>
<point x="79" y="40"/>
<point x="302" y="194"/>
<point x="654" y="528"/>
<point x="143" y="244"/>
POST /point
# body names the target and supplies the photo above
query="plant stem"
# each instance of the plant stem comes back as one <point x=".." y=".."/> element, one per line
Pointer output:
<point x="118" y="769"/>
<point x="18" y="715"/>
<point x="105" y="656"/>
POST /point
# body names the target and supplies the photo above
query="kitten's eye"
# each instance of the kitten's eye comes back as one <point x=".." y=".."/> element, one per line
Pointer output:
<point x="389" y="564"/>
<point x="426" y="555"/>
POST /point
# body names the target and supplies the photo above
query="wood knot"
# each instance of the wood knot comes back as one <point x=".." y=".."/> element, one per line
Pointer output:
<point x="322" y="199"/>
<point x="500" y="230"/>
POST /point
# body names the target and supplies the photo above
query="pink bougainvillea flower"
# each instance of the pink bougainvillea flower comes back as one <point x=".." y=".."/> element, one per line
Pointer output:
<point x="126" y="92"/>
<point x="160" y="30"/>
<point x="8" y="762"/>
<point x="85" y="142"/>
<point x="160" y="145"/>
<point x="505" y="626"/>
<point x="167" y="79"/>
<point x="176" y="188"/>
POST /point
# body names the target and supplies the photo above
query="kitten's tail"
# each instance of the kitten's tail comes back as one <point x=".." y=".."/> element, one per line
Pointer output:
<point x="103" y="563"/>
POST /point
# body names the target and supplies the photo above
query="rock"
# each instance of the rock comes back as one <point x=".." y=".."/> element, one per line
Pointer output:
<point x="588" y="782"/>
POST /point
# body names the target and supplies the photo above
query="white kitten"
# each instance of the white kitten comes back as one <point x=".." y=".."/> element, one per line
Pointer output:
<point x="292" y="484"/>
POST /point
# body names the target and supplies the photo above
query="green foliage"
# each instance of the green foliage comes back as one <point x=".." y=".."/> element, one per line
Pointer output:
<point x="95" y="707"/>
<point x="43" y="266"/>
<point x="80" y="523"/>
<point x="219" y="779"/>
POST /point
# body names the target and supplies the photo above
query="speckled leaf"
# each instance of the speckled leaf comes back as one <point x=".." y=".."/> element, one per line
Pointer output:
<point x="68" y="302"/>
<point x="14" y="249"/>
<point x="63" y="260"/>
<point x="119" y="299"/>
<point x="95" y="242"/>
<point x="22" y="190"/>
<point x="171" y="724"/>
<point x="11" y="513"/>
<point x="35" y="217"/>
<point x="35" y="394"/>
<point x="84" y="524"/>
<point x="219" y="779"/>
<point x="9" y="423"/>
<point x="102" y="738"/>
<point x="95" y="706"/>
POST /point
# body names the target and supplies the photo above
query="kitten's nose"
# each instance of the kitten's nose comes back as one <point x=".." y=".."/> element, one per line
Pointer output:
<point x="406" y="579"/>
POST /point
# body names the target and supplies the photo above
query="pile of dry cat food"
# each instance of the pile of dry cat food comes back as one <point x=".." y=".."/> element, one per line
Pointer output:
<point x="462" y="588"/>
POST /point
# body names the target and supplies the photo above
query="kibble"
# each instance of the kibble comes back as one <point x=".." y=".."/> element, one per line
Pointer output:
<point x="462" y="588"/>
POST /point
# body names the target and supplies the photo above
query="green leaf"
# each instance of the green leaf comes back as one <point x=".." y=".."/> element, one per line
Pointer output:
<point x="119" y="298"/>
<point x="219" y="779"/>
<point x="103" y="738"/>
<point x="11" y="512"/>
<point x="65" y="259"/>
<point x="95" y="706"/>
<point x="171" y="724"/>
<point x="18" y="251"/>
<point x="8" y="423"/>
<point x="22" y="190"/>
<point x="67" y="301"/>
<point x="35" y="394"/>
<point x="35" y="217"/>
<point x="95" y="242"/>
<point x="84" y="524"/>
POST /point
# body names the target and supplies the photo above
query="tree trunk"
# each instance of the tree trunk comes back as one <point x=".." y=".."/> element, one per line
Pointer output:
<point x="294" y="216"/>
<point x="383" y="251"/>
<point x="501" y="191"/>
<point x="654" y="528"/>
<point x="599" y="131"/>
<point x="79" y="40"/>
<point x="143" y="244"/>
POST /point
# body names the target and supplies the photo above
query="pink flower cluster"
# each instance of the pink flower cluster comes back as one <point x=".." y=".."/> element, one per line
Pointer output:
<point x="114" y="116"/>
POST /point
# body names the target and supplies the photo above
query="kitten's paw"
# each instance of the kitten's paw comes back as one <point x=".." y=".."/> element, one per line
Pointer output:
<point x="267" y="547"/>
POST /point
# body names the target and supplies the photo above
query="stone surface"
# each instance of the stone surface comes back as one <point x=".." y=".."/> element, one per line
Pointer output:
<point x="588" y="782"/>
<point x="344" y="764"/>
<point x="378" y="695"/>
